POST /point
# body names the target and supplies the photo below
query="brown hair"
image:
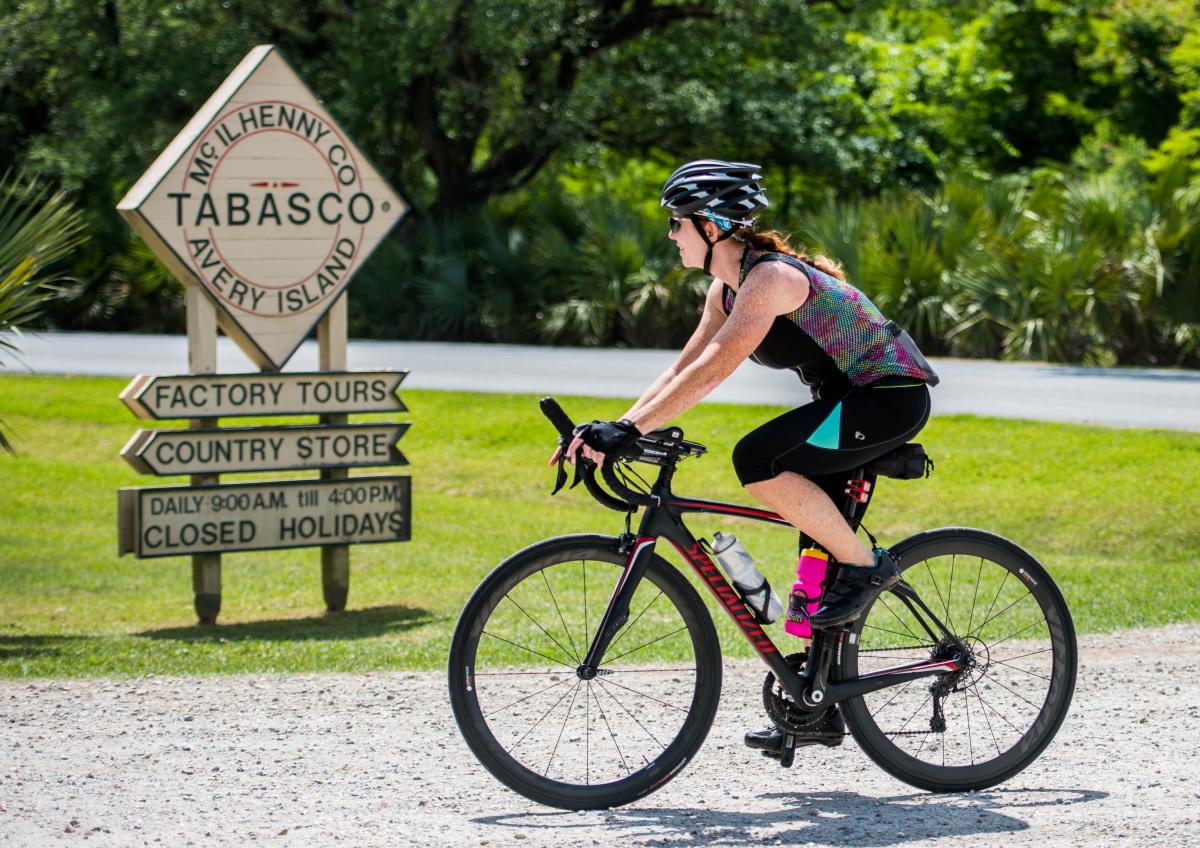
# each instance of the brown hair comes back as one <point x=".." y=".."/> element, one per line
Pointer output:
<point x="774" y="241"/>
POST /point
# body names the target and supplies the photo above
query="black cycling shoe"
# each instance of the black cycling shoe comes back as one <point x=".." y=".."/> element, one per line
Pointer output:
<point x="829" y="730"/>
<point x="854" y="590"/>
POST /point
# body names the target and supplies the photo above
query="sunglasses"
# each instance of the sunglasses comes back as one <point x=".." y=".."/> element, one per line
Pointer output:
<point x="674" y="223"/>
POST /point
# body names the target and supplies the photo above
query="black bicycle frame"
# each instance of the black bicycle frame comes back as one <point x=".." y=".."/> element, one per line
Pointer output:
<point x="810" y="689"/>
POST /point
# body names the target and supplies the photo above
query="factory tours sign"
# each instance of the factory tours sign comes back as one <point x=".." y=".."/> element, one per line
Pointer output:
<point x="151" y="396"/>
<point x="265" y="202"/>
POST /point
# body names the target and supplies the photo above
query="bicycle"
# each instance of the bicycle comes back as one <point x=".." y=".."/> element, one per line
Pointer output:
<point x="989" y="694"/>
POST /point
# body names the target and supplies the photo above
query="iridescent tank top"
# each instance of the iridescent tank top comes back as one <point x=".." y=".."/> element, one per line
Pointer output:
<point x="836" y="333"/>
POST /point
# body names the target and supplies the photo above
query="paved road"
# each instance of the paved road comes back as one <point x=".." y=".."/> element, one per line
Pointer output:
<point x="1123" y="397"/>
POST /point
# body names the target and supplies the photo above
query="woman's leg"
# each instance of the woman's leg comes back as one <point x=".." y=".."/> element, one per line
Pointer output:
<point x="806" y="506"/>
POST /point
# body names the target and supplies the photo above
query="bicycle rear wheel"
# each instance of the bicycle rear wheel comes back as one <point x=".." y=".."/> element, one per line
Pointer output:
<point x="1002" y="708"/>
<point x="535" y="723"/>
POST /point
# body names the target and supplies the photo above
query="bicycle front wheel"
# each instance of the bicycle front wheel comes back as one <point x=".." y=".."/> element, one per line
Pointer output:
<point x="979" y="726"/>
<point x="542" y="729"/>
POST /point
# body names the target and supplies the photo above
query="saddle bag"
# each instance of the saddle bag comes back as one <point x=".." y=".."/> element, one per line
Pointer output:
<point x="907" y="462"/>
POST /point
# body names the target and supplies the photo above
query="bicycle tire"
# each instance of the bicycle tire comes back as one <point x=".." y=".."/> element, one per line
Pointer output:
<point x="1011" y="571"/>
<point x="465" y="675"/>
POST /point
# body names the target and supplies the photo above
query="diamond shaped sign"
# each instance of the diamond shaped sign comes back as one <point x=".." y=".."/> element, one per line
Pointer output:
<point x="264" y="202"/>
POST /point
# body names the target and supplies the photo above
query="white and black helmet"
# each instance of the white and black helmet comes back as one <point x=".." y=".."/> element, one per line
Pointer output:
<point x="716" y="189"/>
<point x="726" y="193"/>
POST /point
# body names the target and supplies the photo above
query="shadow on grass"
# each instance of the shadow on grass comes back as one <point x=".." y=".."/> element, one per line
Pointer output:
<point x="34" y="646"/>
<point x="352" y="624"/>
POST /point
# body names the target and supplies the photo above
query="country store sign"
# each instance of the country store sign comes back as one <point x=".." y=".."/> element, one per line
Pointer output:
<point x="264" y="201"/>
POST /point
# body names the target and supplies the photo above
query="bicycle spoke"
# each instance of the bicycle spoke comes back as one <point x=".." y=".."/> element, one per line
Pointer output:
<point x="1022" y="670"/>
<point x="1030" y="654"/>
<point x="975" y="597"/>
<point x="611" y="735"/>
<point x="998" y="714"/>
<point x="543" y="629"/>
<point x="600" y="683"/>
<point x="979" y="629"/>
<point x="530" y="650"/>
<point x="950" y="593"/>
<point x="527" y="697"/>
<point x="570" y="707"/>
<point x="987" y="720"/>
<point x="924" y="739"/>
<point x="937" y="589"/>
<point x="999" y="589"/>
<point x="567" y="630"/>
<point x="894" y="697"/>
<point x="883" y="630"/>
<point x="587" y="736"/>
<point x="648" y="697"/>
<point x="911" y="717"/>
<point x="648" y="644"/>
<point x="970" y="741"/>
<point x="646" y="670"/>
<point x="540" y="720"/>
<point x="902" y="624"/>
<point x="1018" y="633"/>
<point x="629" y="626"/>
<point x="1013" y="693"/>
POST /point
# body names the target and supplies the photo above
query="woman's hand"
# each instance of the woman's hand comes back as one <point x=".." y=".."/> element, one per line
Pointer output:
<point x="577" y="444"/>
<point x="596" y="439"/>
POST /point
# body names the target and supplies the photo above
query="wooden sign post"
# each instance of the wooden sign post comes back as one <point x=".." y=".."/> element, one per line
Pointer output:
<point x="265" y="209"/>
<point x="202" y="359"/>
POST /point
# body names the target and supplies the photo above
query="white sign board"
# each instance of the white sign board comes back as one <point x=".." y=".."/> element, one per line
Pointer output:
<point x="177" y="520"/>
<point x="238" y="395"/>
<point x="240" y="449"/>
<point x="265" y="202"/>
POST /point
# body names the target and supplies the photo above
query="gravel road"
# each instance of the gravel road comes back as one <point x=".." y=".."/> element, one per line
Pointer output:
<point x="376" y="759"/>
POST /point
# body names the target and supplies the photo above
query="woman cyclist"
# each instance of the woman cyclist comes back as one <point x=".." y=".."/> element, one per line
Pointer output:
<point x="783" y="309"/>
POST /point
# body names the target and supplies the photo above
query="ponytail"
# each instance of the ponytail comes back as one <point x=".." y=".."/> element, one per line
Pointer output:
<point x="773" y="241"/>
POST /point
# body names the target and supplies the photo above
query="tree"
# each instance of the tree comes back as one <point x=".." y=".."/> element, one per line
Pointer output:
<point x="38" y="228"/>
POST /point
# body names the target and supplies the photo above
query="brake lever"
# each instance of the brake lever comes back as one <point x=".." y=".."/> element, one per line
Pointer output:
<point x="561" y="477"/>
<point x="581" y="465"/>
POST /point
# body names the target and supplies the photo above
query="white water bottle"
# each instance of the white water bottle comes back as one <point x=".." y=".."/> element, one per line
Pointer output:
<point x="752" y="586"/>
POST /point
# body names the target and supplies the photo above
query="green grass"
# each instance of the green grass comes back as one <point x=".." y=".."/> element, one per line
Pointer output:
<point x="1108" y="511"/>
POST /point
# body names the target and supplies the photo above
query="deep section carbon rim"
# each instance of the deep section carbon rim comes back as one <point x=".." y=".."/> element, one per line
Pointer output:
<point x="546" y="730"/>
<point x="982" y="724"/>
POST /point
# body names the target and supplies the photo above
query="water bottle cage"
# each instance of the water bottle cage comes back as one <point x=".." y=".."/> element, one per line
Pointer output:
<point x="763" y="589"/>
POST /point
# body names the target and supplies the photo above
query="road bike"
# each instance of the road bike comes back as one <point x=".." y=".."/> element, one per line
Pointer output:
<point x="585" y="671"/>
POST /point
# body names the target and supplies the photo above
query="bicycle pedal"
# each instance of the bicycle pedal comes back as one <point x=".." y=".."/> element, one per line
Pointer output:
<point x="787" y="754"/>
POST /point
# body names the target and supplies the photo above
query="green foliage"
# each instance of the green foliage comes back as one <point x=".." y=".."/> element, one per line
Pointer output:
<point x="38" y="230"/>
<point x="1098" y="268"/>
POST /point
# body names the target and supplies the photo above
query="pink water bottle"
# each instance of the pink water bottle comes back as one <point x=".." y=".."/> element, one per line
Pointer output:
<point x="806" y="591"/>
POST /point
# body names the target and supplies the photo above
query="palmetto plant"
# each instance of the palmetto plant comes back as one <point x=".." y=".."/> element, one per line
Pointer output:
<point x="1095" y="268"/>
<point x="38" y="227"/>
<point x="610" y="275"/>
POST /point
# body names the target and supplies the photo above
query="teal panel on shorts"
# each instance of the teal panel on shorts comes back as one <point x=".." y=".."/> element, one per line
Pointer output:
<point x="828" y="435"/>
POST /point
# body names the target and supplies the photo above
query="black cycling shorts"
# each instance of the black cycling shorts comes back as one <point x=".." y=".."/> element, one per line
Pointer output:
<point x="835" y="434"/>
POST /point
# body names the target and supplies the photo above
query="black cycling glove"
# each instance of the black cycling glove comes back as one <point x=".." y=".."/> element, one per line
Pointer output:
<point x="608" y="436"/>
